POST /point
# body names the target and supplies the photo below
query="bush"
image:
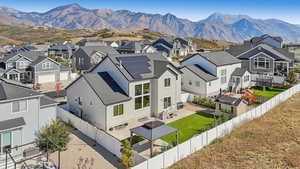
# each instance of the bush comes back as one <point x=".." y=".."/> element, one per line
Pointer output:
<point x="205" y="102"/>
<point x="58" y="133"/>
<point x="126" y="159"/>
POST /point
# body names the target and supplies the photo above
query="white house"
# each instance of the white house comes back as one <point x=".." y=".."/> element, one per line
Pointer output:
<point x="207" y="74"/>
<point x="126" y="88"/>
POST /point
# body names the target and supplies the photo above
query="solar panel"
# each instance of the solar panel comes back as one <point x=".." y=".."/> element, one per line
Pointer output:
<point x="136" y="65"/>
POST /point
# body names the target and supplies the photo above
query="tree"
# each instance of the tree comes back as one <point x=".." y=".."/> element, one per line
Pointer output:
<point x="58" y="134"/>
<point x="126" y="159"/>
<point x="292" y="78"/>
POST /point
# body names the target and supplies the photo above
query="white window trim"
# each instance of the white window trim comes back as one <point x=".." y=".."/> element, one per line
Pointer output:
<point x="19" y="111"/>
<point x="142" y="96"/>
<point x="11" y="137"/>
<point x="118" y="116"/>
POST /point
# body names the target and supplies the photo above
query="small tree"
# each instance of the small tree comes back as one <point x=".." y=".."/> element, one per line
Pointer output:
<point x="56" y="132"/>
<point x="292" y="78"/>
<point x="126" y="159"/>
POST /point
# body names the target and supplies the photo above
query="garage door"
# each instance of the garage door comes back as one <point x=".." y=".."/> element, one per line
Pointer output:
<point x="64" y="75"/>
<point x="46" y="78"/>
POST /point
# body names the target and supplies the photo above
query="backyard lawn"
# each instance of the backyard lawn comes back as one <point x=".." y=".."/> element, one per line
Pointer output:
<point x="189" y="126"/>
<point x="268" y="92"/>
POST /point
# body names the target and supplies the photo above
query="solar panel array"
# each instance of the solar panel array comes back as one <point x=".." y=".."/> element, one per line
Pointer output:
<point x="136" y="65"/>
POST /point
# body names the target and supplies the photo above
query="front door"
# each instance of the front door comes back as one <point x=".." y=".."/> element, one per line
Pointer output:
<point x="5" y="141"/>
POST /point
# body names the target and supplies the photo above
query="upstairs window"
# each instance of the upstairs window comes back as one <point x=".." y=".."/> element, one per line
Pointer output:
<point x="46" y="65"/>
<point x="262" y="63"/>
<point x="223" y="76"/>
<point x="19" y="106"/>
<point x="142" y="96"/>
<point x="167" y="82"/>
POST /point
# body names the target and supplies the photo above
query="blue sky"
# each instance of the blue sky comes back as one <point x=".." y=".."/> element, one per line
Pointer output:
<point x="287" y="10"/>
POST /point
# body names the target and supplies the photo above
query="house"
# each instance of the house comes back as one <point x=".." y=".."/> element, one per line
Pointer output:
<point x="125" y="88"/>
<point x="174" y="47"/>
<point x="207" y="74"/>
<point x="274" y="41"/>
<point x="32" y="67"/>
<point x="264" y="59"/>
<point x="88" y="56"/>
<point x="89" y="42"/>
<point x="65" y="50"/>
<point x="131" y="47"/>
<point x="231" y="105"/>
<point x="23" y="113"/>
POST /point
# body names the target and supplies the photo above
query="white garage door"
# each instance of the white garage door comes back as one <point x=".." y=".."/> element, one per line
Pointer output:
<point x="46" y="78"/>
<point x="64" y="75"/>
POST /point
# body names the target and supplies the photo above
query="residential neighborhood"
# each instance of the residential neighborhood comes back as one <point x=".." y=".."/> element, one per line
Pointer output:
<point x="107" y="89"/>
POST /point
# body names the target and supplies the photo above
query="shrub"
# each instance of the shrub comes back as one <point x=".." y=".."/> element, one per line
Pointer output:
<point x="126" y="159"/>
<point x="205" y="102"/>
<point x="292" y="78"/>
<point x="57" y="132"/>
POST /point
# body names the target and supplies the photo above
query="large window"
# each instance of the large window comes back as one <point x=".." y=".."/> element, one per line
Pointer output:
<point x="246" y="78"/>
<point x="262" y="63"/>
<point x="118" y="110"/>
<point x="19" y="106"/>
<point x="142" y="96"/>
<point x="167" y="82"/>
<point x="223" y="76"/>
<point x="5" y="141"/>
<point x="167" y="102"/>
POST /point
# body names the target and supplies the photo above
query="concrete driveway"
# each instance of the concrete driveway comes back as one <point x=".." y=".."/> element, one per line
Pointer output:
<point x="82" y="153"/>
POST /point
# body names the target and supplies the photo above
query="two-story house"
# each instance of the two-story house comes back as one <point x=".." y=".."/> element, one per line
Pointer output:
<point x="32" y="67"/>
<point x="126" y="88"/>
<point x="208" y="74"/>
<point x="88" y="56"/>
<point x="23" y="113"/>
<point x="64" y="50"/>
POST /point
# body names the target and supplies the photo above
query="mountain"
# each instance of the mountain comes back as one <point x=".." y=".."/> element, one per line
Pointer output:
<point x="218" y="26"/>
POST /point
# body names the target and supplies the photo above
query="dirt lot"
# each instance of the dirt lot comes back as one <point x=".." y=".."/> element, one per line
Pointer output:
<point x="83" y="154"/>
<point x="272" y="141"/>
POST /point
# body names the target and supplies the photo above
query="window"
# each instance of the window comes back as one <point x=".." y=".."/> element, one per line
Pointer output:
<point x="246" y="78"/>
<point x="138" y="90"/>
<point x="142" y="93"/>
<point x="262" y="63"/>
<point x="198" y="84"/>
<point x="167" y="82"/>
<point x="190" y="83"/>
<point x="19" y="106"/>
<point x="118" y="110"/>
<point x="79" y="101"/>
<point x="22" y="65"/>
<point x="223" y="76"/>
<point x="226" y="108"/>
<point x="167" y="102"/>
<point x="5" y="141"/>
<point x="47" y="65"/>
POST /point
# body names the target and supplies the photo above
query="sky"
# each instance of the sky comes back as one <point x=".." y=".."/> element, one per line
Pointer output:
<point x="195" y="10"/>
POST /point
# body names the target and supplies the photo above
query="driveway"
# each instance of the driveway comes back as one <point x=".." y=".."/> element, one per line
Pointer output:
<point x="82" y="153"/>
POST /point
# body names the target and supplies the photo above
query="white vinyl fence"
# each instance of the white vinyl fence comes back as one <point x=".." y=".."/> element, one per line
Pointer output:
<point x="168" y="158"/>
<point x="101" y="137"/>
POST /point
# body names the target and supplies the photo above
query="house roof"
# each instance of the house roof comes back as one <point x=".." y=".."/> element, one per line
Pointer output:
<point x="239" y="49"/>
<point x="260" y="38"/>
<point x="106" y="88"/>
<point x="47" y="101"/>
<point x="229" y="100"/>
<point x="11" y="90"/>
<point x="142" y="66"/>
<point x="31" y="55"/>
<point x="12" y="123"/>
<point x="132" y="45"/>
<point x="90" y="50"/>
<point x="165" y="41"/>
<point x="239" y="71"/>
<point x="202" y="73"/>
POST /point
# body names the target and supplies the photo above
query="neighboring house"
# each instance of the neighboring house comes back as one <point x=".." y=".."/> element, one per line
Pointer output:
<point x="207" y="74"/>
<point x="231" y="105"/>
<point x="265" y="59"/>
<point x="125" y="88"/>
<point x="131" y="47"/>
<point x="240" y="79"/>
<point x="65" y="51"/>
<point x="274" y="41"/>
<point x="88" y="56"/>
<point x="149" y="49"/>
<point x="88" y="42"/>
<point x="23" y="113"/>
<point x="32" y="67"/>
<point x="174" y="47"/>
<point x="25" y="48"/>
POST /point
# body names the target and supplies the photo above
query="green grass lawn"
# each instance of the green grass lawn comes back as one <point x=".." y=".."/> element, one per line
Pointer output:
<point x="297" y="55"/>
<point x="269" y="92"/>
<point x="189" y="126"/>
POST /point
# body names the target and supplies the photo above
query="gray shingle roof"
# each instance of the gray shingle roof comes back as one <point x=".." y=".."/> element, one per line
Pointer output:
<point x="239" y="72"/>
<point x="12" y="123"/>
<point x="13" y="90"/>
<point x="200" y="72"/>
<point x="106" y="88"/>
<point x="229" y="100"/>
<point x="47" y="101"/>
<point x="90" y="50"/>
<point x="31" y="55"/>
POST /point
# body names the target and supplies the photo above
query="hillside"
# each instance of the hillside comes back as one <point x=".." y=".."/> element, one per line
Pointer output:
<point x="33" y="34"/>
<point x="271" y="141"/>
<point x="217" y="26"/>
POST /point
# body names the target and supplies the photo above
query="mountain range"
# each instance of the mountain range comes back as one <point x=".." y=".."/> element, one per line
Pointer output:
<point x="218" y="26"/>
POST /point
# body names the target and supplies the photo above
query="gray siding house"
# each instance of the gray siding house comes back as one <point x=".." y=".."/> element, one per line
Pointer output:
<point x="23" y="113"/>
<point x="125" y="88"/>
